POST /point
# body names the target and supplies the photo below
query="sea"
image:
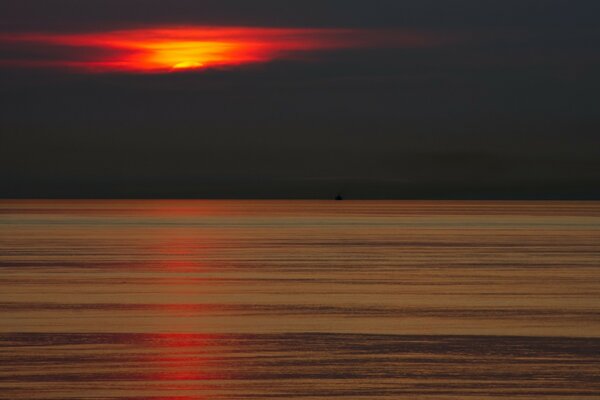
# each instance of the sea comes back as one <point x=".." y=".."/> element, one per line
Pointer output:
<point x="244" y="299"/>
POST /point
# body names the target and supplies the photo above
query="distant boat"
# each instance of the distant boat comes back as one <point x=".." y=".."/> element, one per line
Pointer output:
<point x="339" y="197"/>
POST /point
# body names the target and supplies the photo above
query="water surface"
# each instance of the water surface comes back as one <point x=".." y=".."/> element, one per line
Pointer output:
<point x="299" y="300"/>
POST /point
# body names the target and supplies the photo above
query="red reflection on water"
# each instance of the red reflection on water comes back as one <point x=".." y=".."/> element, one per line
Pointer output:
<point x="180" y="250"/>
<point x="190" y="360"/>
<point x="182" y="208"/>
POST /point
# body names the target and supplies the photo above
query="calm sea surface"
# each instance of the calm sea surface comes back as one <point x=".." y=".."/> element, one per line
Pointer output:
<point x="182" y="300"/>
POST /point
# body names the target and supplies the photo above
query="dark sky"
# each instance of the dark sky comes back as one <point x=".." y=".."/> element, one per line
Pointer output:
<point x="505" y="105"/>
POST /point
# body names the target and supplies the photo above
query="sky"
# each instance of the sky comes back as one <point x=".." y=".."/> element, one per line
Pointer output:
<point x="300" y="99"/>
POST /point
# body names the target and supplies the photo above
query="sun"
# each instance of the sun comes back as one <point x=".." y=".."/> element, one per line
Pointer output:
<point x="166" y="49"/>
<point x="184" y="54"/>
<point x="188" y="65"/>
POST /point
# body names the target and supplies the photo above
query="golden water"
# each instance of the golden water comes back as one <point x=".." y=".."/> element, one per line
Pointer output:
<point x="187" y="300"/>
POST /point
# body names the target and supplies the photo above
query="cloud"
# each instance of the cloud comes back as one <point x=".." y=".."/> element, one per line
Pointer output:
<point x="165" y="49"/>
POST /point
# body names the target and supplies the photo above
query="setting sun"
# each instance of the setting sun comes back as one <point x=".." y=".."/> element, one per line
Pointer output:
<point x="165" y="49"/>
<point x="188" y="65"/>
<point x="186" y="54"/>
<point x="179" y="48"/>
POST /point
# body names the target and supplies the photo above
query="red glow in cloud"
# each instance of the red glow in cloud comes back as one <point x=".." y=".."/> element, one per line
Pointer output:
<point x="185" y="48"/>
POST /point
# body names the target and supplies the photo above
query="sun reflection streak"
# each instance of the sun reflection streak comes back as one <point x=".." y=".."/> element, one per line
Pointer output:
<point x="185" y="363"/>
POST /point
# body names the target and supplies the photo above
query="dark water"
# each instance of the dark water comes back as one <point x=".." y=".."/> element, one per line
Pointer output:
<point x="299" y="300"/>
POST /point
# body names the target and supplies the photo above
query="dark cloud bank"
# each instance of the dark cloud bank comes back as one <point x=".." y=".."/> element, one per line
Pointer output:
<point x="507" y="110"/>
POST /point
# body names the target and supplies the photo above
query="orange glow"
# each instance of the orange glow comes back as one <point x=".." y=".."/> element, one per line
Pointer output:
<point x="189" y="48"/>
